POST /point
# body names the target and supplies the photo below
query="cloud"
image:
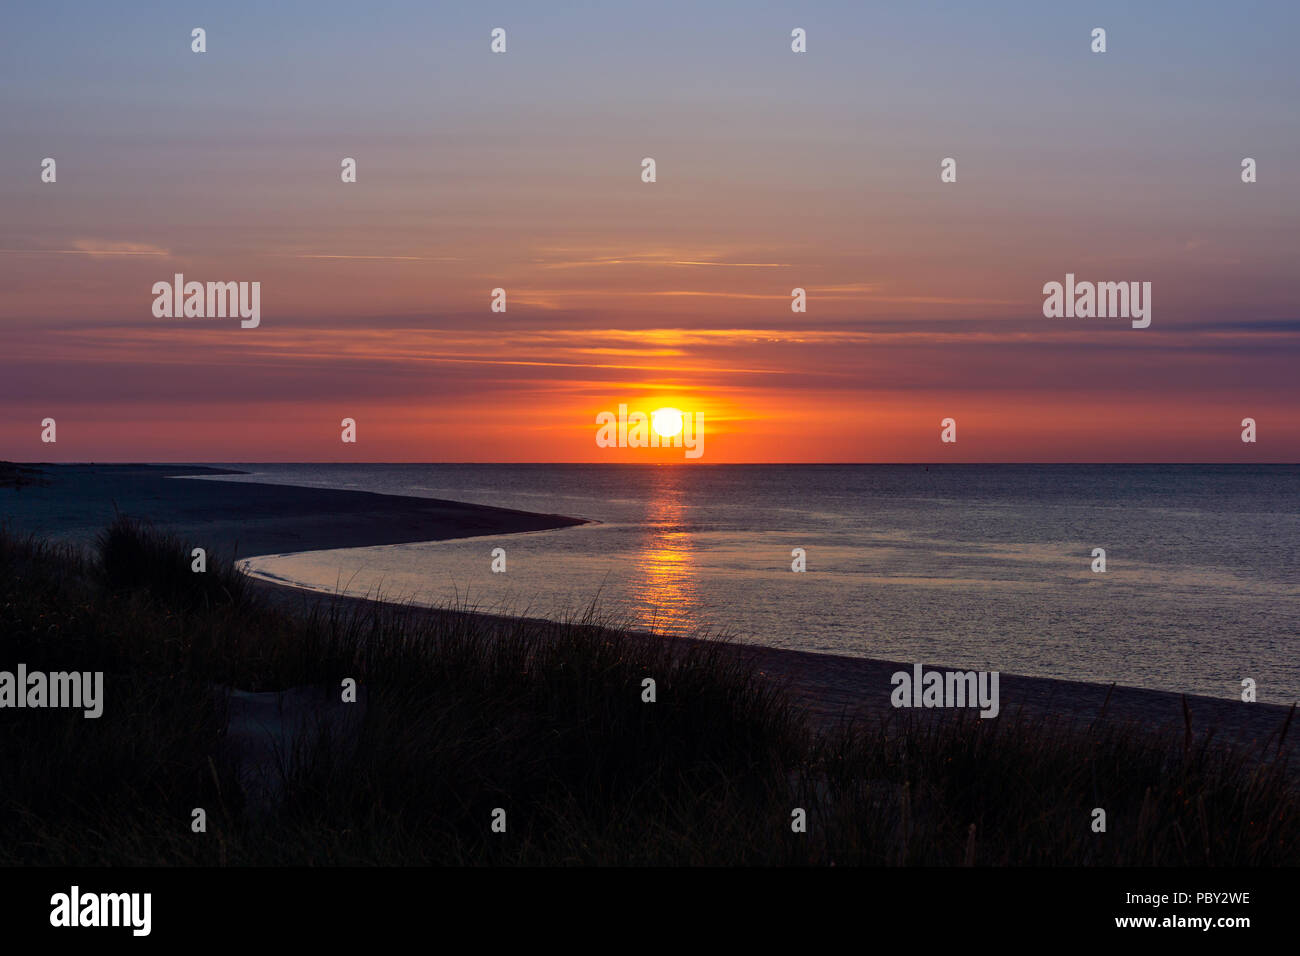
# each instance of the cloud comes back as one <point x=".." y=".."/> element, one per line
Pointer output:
<point x="97" y="247"/>
<point x="101" y="247"/>
<point x="385" y="258"/>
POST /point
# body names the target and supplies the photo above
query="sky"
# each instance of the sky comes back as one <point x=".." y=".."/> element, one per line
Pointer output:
<point x="774" y="170"/>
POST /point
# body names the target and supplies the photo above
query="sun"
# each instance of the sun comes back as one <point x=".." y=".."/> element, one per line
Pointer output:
<point x="667" y="422"/>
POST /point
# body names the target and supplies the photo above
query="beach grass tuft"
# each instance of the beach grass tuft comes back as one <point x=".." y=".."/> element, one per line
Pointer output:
<point x="134" y="556"/>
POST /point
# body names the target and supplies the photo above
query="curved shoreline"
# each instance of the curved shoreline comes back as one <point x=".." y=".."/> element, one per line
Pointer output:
<point x="830" y="688"/>
<point x="244" y="519"/>
<point x="250" y="519"/>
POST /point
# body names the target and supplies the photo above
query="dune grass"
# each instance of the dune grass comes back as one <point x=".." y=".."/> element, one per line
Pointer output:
<point x="463" y="714"/>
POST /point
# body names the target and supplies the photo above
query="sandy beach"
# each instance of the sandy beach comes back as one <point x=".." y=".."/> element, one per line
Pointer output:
<point x="75" y="502"/>
<point x="831" y="688"/>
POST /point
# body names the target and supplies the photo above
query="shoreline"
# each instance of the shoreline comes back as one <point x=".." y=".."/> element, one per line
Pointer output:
<point x="248" y="519"/>
<point x="237" y="519"/>
<point x="830" y="688"/>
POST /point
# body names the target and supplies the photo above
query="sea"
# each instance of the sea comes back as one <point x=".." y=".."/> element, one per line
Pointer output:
<point x="985" y="567"/>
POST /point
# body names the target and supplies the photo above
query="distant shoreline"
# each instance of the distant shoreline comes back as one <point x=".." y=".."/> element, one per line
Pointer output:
<point x="247" y="519"/>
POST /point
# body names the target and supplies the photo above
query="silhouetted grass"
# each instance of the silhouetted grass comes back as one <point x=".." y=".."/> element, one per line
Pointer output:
<point x="462" y="714"/>
<point x="135" y="557"/>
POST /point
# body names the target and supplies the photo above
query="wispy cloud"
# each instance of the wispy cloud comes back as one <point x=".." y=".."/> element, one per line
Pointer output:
<point x="660" y="261"/>
<point x="95" y="247"/>
<point x="383" y="258"/>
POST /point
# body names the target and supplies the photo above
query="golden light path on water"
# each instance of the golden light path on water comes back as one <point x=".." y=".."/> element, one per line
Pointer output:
<point x="665" y="580"/>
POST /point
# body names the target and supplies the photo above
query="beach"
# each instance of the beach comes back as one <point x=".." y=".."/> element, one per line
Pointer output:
<point x="831" y="688"/>
<point x="75" y="502"/>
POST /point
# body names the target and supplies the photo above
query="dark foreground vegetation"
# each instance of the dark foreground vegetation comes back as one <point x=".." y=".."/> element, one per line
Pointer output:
<point x="462" y="715"/>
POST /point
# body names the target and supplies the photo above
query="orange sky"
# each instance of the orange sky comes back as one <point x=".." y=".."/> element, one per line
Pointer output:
<point x="774" y="172"/>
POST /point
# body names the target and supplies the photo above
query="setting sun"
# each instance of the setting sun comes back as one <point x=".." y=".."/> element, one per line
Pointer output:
<point x="666" y="422"/>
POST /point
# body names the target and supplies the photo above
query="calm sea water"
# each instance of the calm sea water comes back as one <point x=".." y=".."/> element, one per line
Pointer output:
<point x="985" y="567"/>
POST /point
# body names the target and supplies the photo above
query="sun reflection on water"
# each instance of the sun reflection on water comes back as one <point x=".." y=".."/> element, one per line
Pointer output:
<point x="664" y="583"/>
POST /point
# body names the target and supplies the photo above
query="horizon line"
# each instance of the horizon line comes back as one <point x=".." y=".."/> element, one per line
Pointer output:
<point x="657" y="464"/>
